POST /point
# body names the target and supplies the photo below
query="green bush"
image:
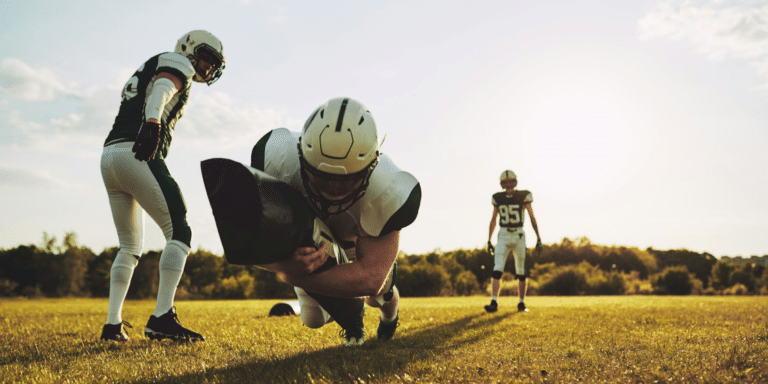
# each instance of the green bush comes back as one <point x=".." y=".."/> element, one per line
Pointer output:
<point x="567" y="280"/>
<point x="675" y="281"/>
<point x="236" y="287"/>
<point x="423" y="279"/>
<point x="465" y="284"/>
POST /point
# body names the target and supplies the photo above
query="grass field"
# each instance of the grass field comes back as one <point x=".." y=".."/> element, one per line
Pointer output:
<point x="630" y="339"/>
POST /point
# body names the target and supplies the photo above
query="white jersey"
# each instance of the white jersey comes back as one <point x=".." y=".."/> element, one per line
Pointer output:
<point x="390" y="203"/>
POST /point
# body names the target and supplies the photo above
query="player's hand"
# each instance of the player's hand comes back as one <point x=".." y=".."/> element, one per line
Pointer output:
<point x="147" y="141"/>
<point x="306" y="260"/>
<point x="539" y="247"/>
<point x="491" y="250"/>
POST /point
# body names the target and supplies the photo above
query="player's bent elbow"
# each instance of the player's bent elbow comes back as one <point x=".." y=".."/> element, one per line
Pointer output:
<point x="371" y="284"/>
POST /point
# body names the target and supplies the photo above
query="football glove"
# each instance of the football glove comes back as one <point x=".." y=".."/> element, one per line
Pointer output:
<point x="147" y="141"/>
<point x="539" y="247"/>
<point x="491" y="250"/>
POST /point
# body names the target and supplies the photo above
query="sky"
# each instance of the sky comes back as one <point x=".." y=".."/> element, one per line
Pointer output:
<point x="639" y="124"/>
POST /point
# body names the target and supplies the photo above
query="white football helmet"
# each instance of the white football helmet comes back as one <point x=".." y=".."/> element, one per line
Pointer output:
<point x="508" y="178"/>
<point x="338" y="150"/>
<point x="507" y="175"/>
<point x="202" y="44"/>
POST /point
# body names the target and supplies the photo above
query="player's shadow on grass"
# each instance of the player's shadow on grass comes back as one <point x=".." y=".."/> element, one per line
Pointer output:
<point x="35" y="354"/>
<point x="374" y="360"/>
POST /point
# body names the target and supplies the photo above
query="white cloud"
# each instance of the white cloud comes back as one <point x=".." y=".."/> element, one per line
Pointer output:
<point x="20" y="80"/>
<point x="719" y="29"/>
<point x="15" y="120"/>
<point x="30" y="178"/>
<point x="54" y="138"/>
<point x="71" y="120"/>
<point x="213" y="123"/>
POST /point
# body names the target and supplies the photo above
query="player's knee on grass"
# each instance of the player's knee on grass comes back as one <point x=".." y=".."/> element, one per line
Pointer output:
<point x="497" y="274"/>
<point x="313" y="316"/>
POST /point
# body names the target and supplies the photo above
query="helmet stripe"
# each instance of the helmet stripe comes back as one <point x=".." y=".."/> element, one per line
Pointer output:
<point x="341" y="114"/>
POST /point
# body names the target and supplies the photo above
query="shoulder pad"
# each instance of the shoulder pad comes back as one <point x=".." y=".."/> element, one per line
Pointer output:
<point x="176" y="64"/>
<point x="389" y="190"/>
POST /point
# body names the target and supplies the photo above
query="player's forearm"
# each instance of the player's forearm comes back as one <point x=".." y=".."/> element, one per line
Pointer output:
<point x="491" y="228"/>
<point x="535" y="227"/>
<point x="345" y="280"/>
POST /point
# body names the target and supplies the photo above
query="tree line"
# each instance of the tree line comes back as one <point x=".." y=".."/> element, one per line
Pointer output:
<point x="571" y="267"/>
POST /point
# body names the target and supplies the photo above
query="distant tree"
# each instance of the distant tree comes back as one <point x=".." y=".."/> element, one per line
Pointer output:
<point x="465" y="284"/>
<point x="17" y="265"/>
<point x="145" y="277"/>
<point x="73" y="268"/>
<point x="7" y="287"/>
<point x="99" y="272"/>
<point x="700" y="264"/>
<point x="721" y="275"/>
<point x="562" y="280"/>
<point x="742" y="274"/>
<point x="613" y="258"/>
<point x="422" y="279"/>
<point x="674" y="281"/>
<point x="240" y="286"/>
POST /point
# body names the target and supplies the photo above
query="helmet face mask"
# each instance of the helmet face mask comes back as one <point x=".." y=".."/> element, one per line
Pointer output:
<point x="332" y="194"/>
<point x="508" y="183"/>
<point x="201" y="46"/>
<point x="338" y="151"/>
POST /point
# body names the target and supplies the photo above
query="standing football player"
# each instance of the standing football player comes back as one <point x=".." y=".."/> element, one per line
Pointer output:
<point x="360" y="194"/>
<point x="137" y="179"/>
<point x="510" y="206"/>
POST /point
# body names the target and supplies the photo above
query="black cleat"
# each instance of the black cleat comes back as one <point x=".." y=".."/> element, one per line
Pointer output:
<point x="521" y="307"/>
<point x="168" y="326"/>
<point x="355" y="335"/>
<point x="493" y="307"/>
<point x="387" y="329"/>
<point x="115" y="332"/>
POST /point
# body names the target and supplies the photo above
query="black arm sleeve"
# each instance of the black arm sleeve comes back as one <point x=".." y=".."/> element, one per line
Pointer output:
<point x="406" y="214"/>
<point x="257" y="155"/>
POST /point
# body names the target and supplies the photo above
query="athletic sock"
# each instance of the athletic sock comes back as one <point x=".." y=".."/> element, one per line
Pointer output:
<point x="119" y="281"/>
<point x="172" y="262"/>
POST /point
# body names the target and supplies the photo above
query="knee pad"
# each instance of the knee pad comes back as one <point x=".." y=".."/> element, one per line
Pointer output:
<point x="520" y="277"/>
<point x="123" y="266"/>
<point x="497" y="274"/>
<point x="313" y="316"/>
<point x="174" y="256"/>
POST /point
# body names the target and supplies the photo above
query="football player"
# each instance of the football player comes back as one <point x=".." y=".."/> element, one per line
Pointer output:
<point x="510" y="206"/>
<point x="364" y="199"/>
<point x="137" y="179"/>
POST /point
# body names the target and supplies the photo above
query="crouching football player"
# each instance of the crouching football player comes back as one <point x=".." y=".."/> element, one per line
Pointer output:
<point x="363" y="198"/>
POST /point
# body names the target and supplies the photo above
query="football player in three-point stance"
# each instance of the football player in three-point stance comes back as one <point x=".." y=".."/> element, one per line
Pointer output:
<point x="510" y="206"/>
<point x="137" y="179"/>
<point x="363" y="198"/>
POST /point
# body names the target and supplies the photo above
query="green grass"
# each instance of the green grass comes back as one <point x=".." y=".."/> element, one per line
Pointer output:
<point x="629" y="339"/>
